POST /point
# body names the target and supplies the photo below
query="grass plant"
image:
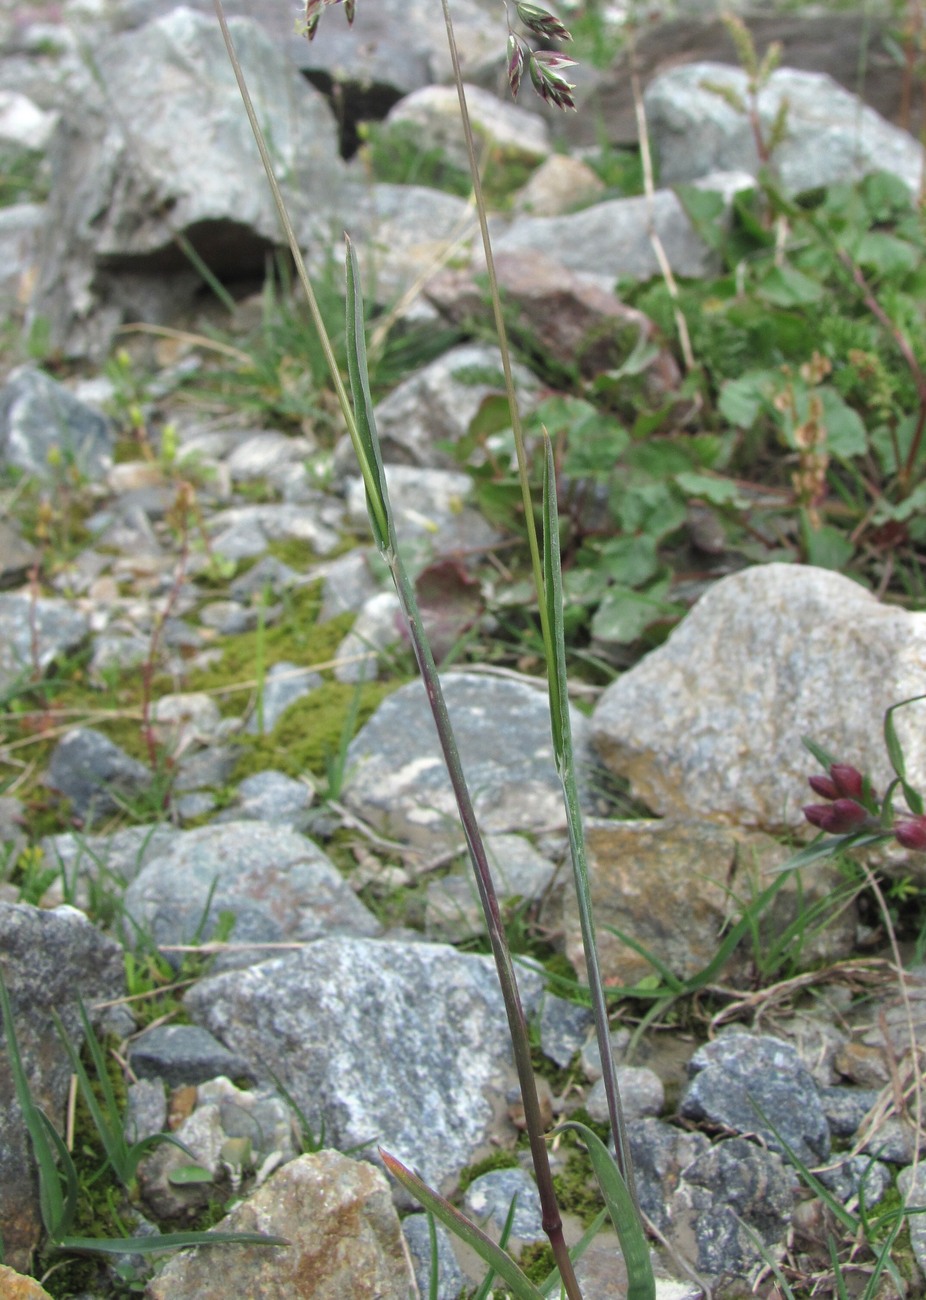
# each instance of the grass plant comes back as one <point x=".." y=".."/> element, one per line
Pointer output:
<point x="358" y="415"/>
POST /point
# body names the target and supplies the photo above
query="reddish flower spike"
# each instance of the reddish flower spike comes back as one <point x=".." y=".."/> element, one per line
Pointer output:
<point x="838" y="818"/>
<point x="911" y="832"/>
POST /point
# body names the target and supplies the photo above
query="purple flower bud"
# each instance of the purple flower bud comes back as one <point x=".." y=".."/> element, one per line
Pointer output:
<point x="911" y="832"/>
<point x="838" y="818"/>
<point x="822" y="785"/>
<point x="847" y="780"/>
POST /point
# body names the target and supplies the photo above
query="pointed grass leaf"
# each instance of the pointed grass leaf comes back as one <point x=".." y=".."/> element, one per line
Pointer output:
<point x="57" y="1203"/>
<point x="164" y="1241"/>
<point x="641" y="1284"/>
<point x="519" y="1285"/>
<point x="367" y="446"/>
<point x="553" y="598"/>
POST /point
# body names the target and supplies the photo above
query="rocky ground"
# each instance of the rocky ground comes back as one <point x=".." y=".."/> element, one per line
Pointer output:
<point x="226" y="826"/>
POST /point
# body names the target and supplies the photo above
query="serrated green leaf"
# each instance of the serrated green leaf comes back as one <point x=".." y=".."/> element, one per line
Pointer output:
<point x="885" y="254"/>
<point x="827" y="547"/>
<point x="624" y="615"/>
<point x="706" y="211"/>
<point x="742" y="400"/>
<point x="846" y="435"/>
<point x="629" y="561"/>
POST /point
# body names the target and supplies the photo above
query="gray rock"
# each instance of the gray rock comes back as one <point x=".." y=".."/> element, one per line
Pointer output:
<point x="673" y="886"/>
<point x="231" y="1133"/>
<point x="451" y="1280"/>
<point x="228" y="617"/>
<point x="610" y="240"/>
<point x="267" y="575"/>
<point x="118" y="857"/>
<point x="504" y="132"/>
<point x="377" y="628"/>
<point x="146" y="1110"/>
<point x="278" y="885"/>
<point x="121" y="194"/>
<point x="34" y="633"/>
<point x="182" y="1054"/>
<point x="710" y="724"/>
<point x="398" y="782"/>
<point x="831" y="135"/>
<point x="270" y="797"/>
<point x="521" y="875"/>
<point x="47" y="959"/>
<point x="95" y="774"/>
<point x="16" y="556"/>
<point x="737" y="1192"/>
<point x="403" y="234"/>
<point x="432" y="508"/>
<point x="826" y="41"/>
<point x="439" y="403"/>
<point x="859" y="1176"/>
<point x="337" y="1217"/>
<point x="21" y="226"/>
<point x="347" y="582"/>
<point x="757" y="1084"/>
<point x="206" y="768"/>
<point x="641" y="1092"/>
<point x="590" y="1056"/>
<point x="564" y="1028"/>
<point x="284" y="684"/>
<point x="660" y="1153"/>
<point x="241" y="532"/>
<point x="45" y="430"/>
<point x="488" y="1199"/>
<point x="266" y="453"/>
<point x="846" y="1108"/>
<point x="117" y="651"/>
<point x="405" y="1045"/>
<point x="911" y="1183"/>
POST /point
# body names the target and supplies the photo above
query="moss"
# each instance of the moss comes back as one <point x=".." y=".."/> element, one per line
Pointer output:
<point x="308" y="735"/>
<point x="536" y="1259"/>
<point x="497" y="1160"/>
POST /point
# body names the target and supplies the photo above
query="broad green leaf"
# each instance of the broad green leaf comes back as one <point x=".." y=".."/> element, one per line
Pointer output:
<point x="718" y="491"/>
<point x="483" y="1245"/>
<point x="885" y="254"/>
<point x="845" y="430"/>
<point x="654" y="508"/>
<point x="826" y="547"/>
<point x="641" y="1285"/>
<point x="743" y="400"/>
<point x="624" y="615"/>
<point x="786" y="286"/>
<point x="629" y="561"/>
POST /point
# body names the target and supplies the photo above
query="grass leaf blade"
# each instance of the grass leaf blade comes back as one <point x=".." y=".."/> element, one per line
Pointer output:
<point x="483" y="1245"/>
<point x="641" y="1284"/>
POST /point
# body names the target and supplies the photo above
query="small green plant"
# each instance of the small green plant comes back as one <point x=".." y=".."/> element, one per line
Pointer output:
<point x="59" y="1184"/>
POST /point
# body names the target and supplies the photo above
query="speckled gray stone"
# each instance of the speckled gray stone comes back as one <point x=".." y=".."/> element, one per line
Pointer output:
<point x="95" y="774"/>
<point x="710" y="724"/>
<point x="397" y="779"/>
<point x="279" y="886"/>
<point x="737" y="1076"/>
<point x="181" y="1054"/>
<point x="402" y="1043"/>
<point x="488" y="1199"/>
<point x="451" y="1279"/>
<point x="831" y="135"/>
<point x="564" y="1028"/>
<point x="33" y="633"/>
<point x="40" y="419"/>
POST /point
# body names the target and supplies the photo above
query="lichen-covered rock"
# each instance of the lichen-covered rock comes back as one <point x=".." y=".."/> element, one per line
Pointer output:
<point x="343" y="1239"/>
<point x="710" y="724"/>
